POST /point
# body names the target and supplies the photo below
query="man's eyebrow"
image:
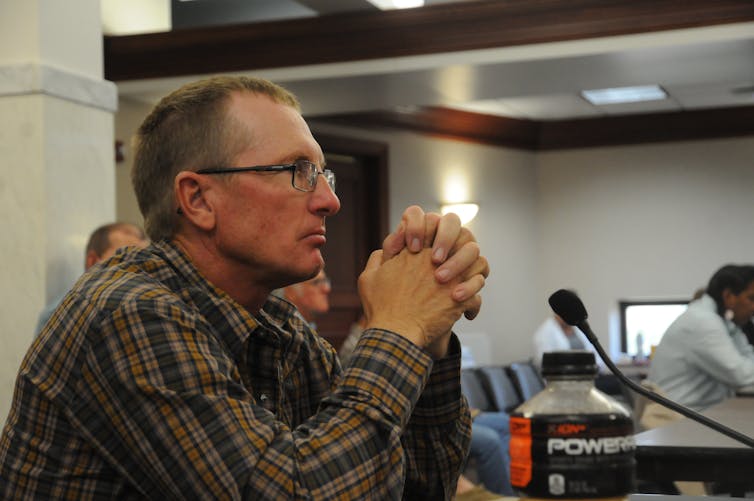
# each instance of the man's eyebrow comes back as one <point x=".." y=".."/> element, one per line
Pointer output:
<point x="322" y="162"/>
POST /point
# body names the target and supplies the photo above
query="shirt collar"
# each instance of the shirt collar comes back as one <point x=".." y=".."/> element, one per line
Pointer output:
<point x="233" y="323"/>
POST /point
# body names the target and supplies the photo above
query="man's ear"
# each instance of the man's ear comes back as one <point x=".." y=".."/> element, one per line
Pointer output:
<point x="191" y="194"/>
<point x="91" y="259"/>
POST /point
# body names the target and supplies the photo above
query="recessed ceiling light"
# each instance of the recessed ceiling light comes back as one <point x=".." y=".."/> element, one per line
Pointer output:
<point x="618" y="95"/>
<point x="397" y="4"/>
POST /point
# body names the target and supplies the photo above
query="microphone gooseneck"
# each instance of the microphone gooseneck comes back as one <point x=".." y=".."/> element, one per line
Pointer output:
<point x="569" y="307"/>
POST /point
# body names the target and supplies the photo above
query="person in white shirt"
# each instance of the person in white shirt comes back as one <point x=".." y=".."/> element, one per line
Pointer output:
<point x="704" y="356"/>
<point x="556" y="335"/>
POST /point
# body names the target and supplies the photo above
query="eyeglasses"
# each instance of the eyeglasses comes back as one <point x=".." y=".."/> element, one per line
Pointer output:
<point x="316" y="282"/>
<point x="304" y="173"/>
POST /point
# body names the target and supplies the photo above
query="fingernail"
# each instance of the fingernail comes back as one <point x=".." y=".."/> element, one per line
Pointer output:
<point x="443" y="274"/>
<point x="416" y="245"/>
<point x="439" y="254"/>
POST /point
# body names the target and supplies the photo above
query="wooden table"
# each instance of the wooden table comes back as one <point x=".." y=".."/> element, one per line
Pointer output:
<point x="687" y="450"/>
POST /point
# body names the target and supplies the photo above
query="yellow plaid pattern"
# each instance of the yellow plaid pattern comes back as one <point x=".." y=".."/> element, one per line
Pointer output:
<point x="149" y="382"/>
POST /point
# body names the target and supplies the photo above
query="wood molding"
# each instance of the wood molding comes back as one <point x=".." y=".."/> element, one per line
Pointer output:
<point x="375" y="155"/>
<point x="559" y="134"/>
<point x="366" y="35"/>
<point x="447" y="123"/>
<point x="647" y="128"/>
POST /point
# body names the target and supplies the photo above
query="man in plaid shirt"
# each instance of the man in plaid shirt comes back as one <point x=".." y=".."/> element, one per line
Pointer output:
<point x="171" y="372"/>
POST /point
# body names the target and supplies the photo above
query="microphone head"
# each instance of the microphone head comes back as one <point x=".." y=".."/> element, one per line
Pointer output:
<point x="568" y="306"/>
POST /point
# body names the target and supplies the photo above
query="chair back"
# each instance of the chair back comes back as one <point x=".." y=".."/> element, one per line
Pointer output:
<point x="499" y="386"/>
<point x="526" y="379"/>
<point x="471" y="386"/>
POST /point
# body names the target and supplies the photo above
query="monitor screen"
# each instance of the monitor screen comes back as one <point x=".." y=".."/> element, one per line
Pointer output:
<point x="644" y="322"/>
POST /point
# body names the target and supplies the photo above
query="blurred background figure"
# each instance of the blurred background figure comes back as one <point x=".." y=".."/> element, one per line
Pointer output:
<point x="556" y="335"/>
<point x="105" y="240"/>
<point x="102" y="244"/>
<point x="490" y="438"/>
<point x="311" y="297"/>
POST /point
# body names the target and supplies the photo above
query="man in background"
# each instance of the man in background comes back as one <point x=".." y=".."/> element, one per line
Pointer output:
<point x="103" y="242"/>
<point x="311" y="297"/>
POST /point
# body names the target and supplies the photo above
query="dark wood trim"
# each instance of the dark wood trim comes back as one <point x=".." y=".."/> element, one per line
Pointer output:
<point x="647" y="128"/>
<point x="375" y="155"/>
<point x="560" y="134"/>
<point x="448" y="123"/>
<point x="434" y="29"/>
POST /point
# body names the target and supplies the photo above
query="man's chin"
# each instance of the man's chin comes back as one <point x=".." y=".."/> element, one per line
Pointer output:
<point x="300" y="275"/>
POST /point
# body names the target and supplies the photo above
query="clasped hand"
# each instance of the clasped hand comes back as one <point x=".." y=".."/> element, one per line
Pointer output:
<point x="428" y="273"/>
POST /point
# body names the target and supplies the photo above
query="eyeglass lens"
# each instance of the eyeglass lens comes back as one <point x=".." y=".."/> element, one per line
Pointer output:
<point x="306" y="173"/>
<point x="321" y="281"/>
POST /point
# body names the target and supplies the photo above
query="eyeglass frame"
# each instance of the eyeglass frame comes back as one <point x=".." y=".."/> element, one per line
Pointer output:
<point x="327" y="173"/>
<point x="320" y="281"/>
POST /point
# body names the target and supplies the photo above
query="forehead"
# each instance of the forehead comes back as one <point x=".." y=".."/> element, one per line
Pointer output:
<point x="277" y="131"/>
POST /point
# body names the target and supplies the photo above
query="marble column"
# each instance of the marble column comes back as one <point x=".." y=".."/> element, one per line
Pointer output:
<point x="57" y="179"/>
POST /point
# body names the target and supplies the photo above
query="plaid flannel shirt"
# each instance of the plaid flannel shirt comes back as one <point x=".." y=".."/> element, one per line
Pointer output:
<point x="149" y="382"/>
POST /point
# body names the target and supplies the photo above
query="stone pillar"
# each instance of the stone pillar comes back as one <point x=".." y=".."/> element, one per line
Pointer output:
<point x="57" y="179"/>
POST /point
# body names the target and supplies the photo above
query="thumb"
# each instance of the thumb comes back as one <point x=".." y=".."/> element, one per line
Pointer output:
<point x="374" y="262"/>
<point x="394" y="243"/>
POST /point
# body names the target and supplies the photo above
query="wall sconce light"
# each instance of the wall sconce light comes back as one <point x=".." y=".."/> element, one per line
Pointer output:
<point x="465" y="211"/>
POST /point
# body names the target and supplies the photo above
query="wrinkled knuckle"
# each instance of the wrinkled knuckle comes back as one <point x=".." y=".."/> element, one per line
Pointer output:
<point x="432" y="218"/>
<point x="474" y="248"/>
<point x="466" y="235"/>
<point x="452" y="216"/>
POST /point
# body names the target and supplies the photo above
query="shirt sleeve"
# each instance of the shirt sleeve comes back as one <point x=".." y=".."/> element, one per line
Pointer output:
<point x="163" y="401"/>
<point x="439" y="434"/>
<point x="715" y="352"/>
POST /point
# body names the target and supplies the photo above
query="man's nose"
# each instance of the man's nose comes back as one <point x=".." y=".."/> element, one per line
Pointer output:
<point x="326" y="201"/>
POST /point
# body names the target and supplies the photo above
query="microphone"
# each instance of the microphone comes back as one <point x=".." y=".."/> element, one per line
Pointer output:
<point x="570" y="308"/>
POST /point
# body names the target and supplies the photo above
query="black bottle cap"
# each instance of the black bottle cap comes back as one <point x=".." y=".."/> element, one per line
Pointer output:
<point x="567" y="363"/>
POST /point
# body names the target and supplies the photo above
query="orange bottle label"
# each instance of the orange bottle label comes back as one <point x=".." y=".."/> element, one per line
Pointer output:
<point x="520" y="451"/>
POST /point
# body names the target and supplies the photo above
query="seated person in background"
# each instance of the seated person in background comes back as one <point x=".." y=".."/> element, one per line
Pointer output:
<point x="748" y="330"/>
<point x="703" y="356"/>
<point x="103" y="242"/>
<point x="556" y="335"/>
<point x="311" y="297"/>
<point x="490" y="436"/>
<point x="177" y="375"/>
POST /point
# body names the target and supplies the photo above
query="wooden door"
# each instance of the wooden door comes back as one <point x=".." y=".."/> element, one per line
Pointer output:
<point x="361" y="184"/>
